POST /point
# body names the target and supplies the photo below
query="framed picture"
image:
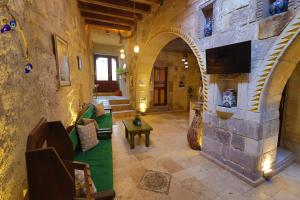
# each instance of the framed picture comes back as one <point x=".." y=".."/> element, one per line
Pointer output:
<point x="62" y="61"/>
<point x="79" y="63"/>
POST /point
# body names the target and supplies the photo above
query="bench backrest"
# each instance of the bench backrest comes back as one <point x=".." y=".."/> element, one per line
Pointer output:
<point x="89" y="113"/>
<point x="48" y="178"/>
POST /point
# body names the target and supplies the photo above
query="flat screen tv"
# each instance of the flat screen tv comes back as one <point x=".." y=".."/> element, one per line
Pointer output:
<point x="230" y="59"/>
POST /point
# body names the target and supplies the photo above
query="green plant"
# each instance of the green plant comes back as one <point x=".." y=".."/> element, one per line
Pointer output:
<point x="121" y="71"/>
<point x="190" y="91"/>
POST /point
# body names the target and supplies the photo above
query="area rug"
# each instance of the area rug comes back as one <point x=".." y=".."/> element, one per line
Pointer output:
<point x="155" y="181"/>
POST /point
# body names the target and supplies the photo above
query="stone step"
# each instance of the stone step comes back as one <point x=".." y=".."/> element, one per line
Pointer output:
<point x="118" y="101"/>
<point x="121" y="107"/>
<point x="104" y="94"/>
<point x="155" y="109"/>
<point x="124" y="114"/>
<point x="283" y="159"/>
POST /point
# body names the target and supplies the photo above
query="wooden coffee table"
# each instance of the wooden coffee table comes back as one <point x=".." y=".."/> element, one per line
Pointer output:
<point x="132" y="130"/>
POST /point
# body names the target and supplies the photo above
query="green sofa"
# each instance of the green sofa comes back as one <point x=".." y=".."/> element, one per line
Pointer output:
<point x="100" y="157"/>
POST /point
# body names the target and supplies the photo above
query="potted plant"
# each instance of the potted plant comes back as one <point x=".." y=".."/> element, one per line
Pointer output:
<point x="190" y="91"/>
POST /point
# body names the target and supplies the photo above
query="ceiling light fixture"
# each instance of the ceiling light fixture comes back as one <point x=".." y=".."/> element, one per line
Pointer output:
<point x="136" y="47"/>
<point x="122" y="56"/>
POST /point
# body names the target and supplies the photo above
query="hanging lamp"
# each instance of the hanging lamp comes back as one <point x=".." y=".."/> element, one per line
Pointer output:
<point x="136" y="48"/>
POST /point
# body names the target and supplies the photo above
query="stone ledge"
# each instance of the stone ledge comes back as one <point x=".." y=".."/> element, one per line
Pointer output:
<point x="273" y="25"/>
<point x="226" y="110"/>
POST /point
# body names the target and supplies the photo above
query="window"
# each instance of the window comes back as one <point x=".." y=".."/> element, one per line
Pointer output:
<point x="114" y="69"/>
<point x="102" y="69"/>
<point x="106" y="66"/>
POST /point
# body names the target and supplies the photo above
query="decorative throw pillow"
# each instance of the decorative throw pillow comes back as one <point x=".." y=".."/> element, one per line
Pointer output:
<point x="100" y="110"/>
<point x="87" y="135"/>
<point x="86" y="121"/>
<point x="80" y="183"/>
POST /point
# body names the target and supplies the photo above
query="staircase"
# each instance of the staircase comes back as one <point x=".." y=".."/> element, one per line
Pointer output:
<point x="121" y="109"/>
<point x="158" y="109"/>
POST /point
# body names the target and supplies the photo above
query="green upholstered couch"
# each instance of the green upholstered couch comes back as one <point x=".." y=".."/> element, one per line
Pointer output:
<point x="100" y="157"/>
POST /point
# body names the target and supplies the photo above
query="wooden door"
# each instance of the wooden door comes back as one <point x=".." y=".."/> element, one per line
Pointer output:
<point x="106" y="73"/>
<point x="160" y="86"/>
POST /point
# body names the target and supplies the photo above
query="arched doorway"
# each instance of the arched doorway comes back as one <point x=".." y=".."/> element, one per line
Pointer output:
<point x="280" y="63"/>
<point x="175" y="79"/>
<point x="148" y="57"/>
<point x="289" y="131"/>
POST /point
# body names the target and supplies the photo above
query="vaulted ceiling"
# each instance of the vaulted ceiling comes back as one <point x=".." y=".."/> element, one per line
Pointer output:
<point x="116" y="14"/>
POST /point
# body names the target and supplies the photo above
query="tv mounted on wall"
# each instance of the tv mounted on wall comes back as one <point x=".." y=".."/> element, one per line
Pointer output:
<point x="230" y="59"/>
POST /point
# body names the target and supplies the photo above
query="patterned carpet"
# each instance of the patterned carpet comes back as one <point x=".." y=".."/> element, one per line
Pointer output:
<point x="155" y="181"/>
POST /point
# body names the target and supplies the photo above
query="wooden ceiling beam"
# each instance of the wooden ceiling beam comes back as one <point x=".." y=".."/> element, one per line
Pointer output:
<point x="92" y="8"/>
<point x="109" y="19"/>
<point x="149" y="2"/>
<point x="125" y="5"/>
<point x="108" y="25"/>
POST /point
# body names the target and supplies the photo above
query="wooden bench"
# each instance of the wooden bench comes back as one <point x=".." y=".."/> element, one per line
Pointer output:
<point x="51" y="167"/>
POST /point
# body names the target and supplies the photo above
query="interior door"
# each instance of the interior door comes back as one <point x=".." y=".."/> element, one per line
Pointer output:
<point x="282" y="113"/>
<point x="106" y="73"/>
<point x="160" y="86"/>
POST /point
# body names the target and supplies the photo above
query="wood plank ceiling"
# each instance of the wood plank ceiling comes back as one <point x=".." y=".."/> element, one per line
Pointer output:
<point x="116" y="14"/>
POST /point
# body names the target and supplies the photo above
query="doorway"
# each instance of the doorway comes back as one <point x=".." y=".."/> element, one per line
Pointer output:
<point x="160" y="86"/>
<point x="106" y="73"/>
<point x="289" y="133"/>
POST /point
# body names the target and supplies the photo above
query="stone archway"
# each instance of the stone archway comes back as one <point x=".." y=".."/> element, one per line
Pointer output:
<point x="148" y="56"/>
<point x="277" y="68"/>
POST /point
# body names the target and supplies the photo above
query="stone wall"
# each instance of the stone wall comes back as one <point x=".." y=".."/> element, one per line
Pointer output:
<point x="178" y="96"/>
<point x="25" y="99"/>
<point x="241" y="139"/>
<point x="290" y="133"/>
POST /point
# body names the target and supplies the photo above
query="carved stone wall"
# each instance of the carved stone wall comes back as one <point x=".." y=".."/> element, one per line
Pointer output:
<point x="243" y="139"/>
<point x="24" y="99"/>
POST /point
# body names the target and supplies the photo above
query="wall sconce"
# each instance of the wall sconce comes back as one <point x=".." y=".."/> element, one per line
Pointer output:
<point x="143" y="105"/>
<point x="136" y="49"/>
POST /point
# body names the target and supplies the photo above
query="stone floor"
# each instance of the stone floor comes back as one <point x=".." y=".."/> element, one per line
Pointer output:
<point x="193" y="176"/>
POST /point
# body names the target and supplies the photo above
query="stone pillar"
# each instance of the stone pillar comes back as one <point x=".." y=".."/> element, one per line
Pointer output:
<point x="235" y="143"/>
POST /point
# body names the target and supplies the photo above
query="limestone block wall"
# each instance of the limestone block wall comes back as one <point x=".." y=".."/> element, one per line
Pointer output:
<point x="244" y="139"/>
<point x="24" y="99"/>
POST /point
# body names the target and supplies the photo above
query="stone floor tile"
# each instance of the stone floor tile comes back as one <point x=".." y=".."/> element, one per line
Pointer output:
<point x="136" y="174"/>
<point x="193" y="176"/>
<point x="170" y="165"/>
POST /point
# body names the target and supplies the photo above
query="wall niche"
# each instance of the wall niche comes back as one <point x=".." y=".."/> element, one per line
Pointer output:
<point x="229" y="83"/>
<point x="206" y="19"/>
<point x="266" y="8"/>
